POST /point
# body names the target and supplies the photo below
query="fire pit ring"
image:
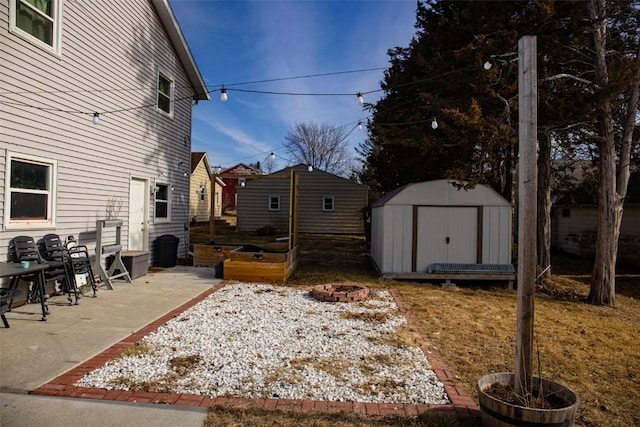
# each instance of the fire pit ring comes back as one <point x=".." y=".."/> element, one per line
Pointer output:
<point x="340" y="292"/>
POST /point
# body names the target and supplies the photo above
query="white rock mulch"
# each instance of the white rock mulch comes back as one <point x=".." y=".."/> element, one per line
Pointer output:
<point x="255" y="340"/>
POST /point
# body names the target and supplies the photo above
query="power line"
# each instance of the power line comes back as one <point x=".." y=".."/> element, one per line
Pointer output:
<point x="147" y="87"/>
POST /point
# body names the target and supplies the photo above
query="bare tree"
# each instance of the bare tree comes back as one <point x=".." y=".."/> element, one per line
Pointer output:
<point x="322" y="146"/>
<point x="614" y="164"/>
<point x="269" y="164"/>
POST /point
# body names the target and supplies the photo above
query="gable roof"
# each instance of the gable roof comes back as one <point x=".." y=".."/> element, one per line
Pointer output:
<point x="168" y="19"/>
<point x="241" y="169"/>
<point x="302" y="168"/>
<point x="442" y="192"/>
<point x="196" y="158"/>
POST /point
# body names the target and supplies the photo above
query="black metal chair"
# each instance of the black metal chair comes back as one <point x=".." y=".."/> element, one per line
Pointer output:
<point x="6" y="298"/>
<point x="25" y="248"/>
<point x="54" y="252"/>
<point x="80" y="262"/>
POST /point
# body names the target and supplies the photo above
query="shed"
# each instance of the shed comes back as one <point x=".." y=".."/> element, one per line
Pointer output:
<point x="438" y="221"/>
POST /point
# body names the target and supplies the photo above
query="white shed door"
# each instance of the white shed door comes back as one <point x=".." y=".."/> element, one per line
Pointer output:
<point x="138" y="215"/>
<point x="446" y="234"/>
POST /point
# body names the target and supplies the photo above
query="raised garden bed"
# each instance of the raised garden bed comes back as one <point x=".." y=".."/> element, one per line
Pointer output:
<point x="251" y="263"/>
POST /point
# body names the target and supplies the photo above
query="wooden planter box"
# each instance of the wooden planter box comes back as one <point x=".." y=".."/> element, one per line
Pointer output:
<point x="254" y="265"/>
<point x="210" y="255"/>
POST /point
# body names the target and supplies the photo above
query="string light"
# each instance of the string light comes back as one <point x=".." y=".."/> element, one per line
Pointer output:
<point x="359" y="125"/>
<point x="96" y="118"/>
<point x="434" y="124"/>
<point x="487" y="65"/>
<point x="223" y="92"/>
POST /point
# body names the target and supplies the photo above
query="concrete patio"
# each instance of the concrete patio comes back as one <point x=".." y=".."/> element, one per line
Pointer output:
<point x="33" y="352"/>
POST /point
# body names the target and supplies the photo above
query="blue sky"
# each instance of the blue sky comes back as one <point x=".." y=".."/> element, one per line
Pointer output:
<point x="247" y="41"/>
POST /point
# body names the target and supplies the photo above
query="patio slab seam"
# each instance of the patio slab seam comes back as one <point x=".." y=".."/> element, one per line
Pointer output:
<point x="462" y="406"/>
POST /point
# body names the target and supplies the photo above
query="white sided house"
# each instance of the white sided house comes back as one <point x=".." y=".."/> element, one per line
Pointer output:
<point x="435" y="222"/>
<point x="95" y="121"/>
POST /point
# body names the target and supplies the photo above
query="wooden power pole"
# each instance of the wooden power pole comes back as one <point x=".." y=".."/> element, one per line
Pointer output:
<point x="527" y="211"/>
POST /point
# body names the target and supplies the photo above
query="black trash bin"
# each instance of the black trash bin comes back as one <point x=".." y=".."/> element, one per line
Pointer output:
<point x="167" y="251"/>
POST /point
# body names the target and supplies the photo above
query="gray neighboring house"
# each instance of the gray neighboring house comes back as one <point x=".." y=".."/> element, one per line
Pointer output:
<point x="327" y="203"/>
<point x="63" y="61"/>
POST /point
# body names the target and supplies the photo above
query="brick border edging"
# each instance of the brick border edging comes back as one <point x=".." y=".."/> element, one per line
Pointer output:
<point x="462" y="406"/>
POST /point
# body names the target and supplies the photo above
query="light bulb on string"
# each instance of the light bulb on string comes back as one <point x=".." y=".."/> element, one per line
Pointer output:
<point x="310" y="168"/>
<point x="96" y="118"/>
<point x="434" y="124"/>
<point x="359" y="125"/>
<point x="360" y="98"/>
<point x="273" y="156"/>
<point x="487" y="65"/>
<point x="223" y="95"/>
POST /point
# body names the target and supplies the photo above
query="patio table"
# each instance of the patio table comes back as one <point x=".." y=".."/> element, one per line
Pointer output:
<point x="15" y="271"/>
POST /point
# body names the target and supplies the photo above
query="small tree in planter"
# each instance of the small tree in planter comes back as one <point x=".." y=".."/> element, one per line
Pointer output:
<point x="520" y="398"/>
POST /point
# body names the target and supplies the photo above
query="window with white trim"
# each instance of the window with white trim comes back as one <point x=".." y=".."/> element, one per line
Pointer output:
<point x="38" y="21"/>
<point x="165" y="93"/>
<point x="30" y="191"/>
<point x="274" y="203"/>
<point x="328" y="203"/>
<point x="163" y="202"/>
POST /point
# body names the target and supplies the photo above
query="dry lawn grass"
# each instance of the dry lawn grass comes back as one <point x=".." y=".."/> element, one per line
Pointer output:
<point x="221" y="416"/>
<point x="595" y="351"/>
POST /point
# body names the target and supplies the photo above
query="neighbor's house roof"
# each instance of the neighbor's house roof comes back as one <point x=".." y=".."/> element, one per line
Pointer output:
<point x="179" y="43"/>
<point x="241" y="169"/>
<point x="588" y="197"/>
<point x="196" y="157"/>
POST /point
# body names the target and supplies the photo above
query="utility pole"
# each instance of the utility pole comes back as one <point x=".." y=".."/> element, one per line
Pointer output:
<point x="527" y="211"/>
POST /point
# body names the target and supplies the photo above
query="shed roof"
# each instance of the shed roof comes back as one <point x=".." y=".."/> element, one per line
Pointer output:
<point x="442" y="192"/>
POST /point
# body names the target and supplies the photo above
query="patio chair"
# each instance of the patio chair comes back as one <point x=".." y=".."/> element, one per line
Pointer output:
<point x="80" y="262"/>
<point x="25" y="248"/>
<point x="54" y="251"/>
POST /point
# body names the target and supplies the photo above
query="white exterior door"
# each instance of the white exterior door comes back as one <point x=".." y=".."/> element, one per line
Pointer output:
<point x="138" y="215"/>
<point x="446" y="235"/>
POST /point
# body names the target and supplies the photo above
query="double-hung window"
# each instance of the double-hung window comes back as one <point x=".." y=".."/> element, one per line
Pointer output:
<point x="38" y="21"/>
<point x="30" y="192"/>
<point x="163" y="202"/>
<point x="274" y="203"/>
<point x="165" y="93"/>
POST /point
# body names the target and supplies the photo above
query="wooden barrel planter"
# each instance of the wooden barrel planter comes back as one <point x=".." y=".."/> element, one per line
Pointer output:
<point x="498" y="413"/>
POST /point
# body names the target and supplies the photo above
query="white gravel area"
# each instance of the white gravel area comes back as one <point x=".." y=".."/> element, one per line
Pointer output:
<point x="264" y="341"/>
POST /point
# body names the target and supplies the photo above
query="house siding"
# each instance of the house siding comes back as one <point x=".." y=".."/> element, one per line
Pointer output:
<point x="576" y="234"/>
<point x="111" y="54"/>
<point x="200" y="210"/>
<point x="346" y="218"/>
<point x="253" y="205"/>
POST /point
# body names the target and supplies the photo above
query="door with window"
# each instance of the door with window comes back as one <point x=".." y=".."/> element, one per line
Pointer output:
<point x="138" y="215"/>
<point x="446" y="235"/>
